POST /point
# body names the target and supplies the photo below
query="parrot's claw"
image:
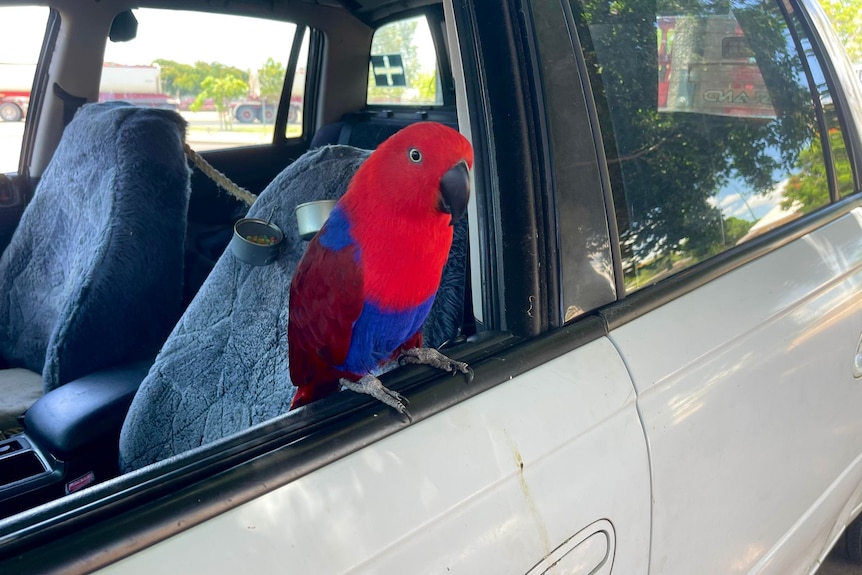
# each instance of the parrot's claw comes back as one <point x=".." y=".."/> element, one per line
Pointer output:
<point x="370" y="385"/>
<point x="432" y="357"/>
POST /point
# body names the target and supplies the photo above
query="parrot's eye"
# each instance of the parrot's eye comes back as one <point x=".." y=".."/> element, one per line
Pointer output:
<point x="414" y="155"/>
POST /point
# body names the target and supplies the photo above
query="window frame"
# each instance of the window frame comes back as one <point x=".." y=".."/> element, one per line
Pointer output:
<point x="279" y="135"/>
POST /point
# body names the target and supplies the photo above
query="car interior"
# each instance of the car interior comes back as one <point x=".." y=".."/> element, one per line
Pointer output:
<point x="120" y="362"/>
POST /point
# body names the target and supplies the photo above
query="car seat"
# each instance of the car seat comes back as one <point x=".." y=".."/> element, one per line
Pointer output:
<point x="92" y="277"/>
<point x="224" y="368"/>
<point x="368" y="128"/>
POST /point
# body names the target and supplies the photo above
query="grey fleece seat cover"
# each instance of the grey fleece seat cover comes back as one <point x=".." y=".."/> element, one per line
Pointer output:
<point x="224" y="367"/>
<point x="93" y="274"/>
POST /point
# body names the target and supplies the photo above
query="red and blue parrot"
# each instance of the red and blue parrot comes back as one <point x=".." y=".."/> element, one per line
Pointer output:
<point x="365" y="285"/>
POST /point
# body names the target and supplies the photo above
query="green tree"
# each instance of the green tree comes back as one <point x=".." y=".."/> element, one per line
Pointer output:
<point x="846" y="18"/>
<point x="809" y="188"/>
<point x="178" y="78"/>
<point x="427" y="85"/>
<point x="666" y="167"/>
<point x="186" y="80"/>
<point x="222" y="90"/>
<point x="271" y="81"/>
<point x="735" y="229"/>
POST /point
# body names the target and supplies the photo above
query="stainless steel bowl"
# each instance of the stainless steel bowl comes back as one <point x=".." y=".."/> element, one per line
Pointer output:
<point x="256" y="241"/>
<point x="311" y="216"/>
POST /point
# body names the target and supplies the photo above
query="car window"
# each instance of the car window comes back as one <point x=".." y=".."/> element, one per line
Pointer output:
<point x="711" y="132"/>
<point x="228" y="91"/>
<point x="21" y="32"/>
<point x="403" y="66"/>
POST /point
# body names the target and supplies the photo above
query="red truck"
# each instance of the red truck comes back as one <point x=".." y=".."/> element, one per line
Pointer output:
<point x="140" y="85"/>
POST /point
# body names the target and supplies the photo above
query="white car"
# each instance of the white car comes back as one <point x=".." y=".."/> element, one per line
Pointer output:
<point x="658" y="287"/>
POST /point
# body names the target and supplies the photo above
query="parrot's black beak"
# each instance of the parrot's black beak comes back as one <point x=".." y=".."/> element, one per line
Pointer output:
<point x="455" y="191"/>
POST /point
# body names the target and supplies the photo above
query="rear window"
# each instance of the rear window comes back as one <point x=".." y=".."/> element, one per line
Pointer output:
<point x="228" y="91"/>
<point x="403" y="67"/>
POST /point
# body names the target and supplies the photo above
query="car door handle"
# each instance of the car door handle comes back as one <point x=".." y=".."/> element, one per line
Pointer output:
<point x="587" y="552"/>
<point x="857" y="360"/>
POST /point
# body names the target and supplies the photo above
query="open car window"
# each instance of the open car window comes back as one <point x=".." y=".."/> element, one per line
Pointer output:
<point x="403" y="67"/>
<point x="228" y="91"/>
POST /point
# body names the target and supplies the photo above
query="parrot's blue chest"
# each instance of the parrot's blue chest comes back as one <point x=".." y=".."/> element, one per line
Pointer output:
<point x="378" y="333"/>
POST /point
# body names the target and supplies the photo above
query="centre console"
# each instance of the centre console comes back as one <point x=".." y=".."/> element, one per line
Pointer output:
<point x="70" y="439"/>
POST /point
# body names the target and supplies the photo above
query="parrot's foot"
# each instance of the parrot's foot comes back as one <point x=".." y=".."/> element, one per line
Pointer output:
<point x="372" y="386"/>
<point x="432" y="357"/>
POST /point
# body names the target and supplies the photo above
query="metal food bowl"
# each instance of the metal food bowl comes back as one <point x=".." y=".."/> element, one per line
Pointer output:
<point x="311" y="216"/>
<point x="256" y="241"/>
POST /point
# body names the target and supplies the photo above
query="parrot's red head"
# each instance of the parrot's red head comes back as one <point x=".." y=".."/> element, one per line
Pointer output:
<point x="421" y="169"/>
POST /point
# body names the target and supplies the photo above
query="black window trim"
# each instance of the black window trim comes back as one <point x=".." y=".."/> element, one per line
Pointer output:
<point x="281" y="115"/>
<point x="836" y="90"/>
<point x="313" y="79"/>
<point x="601" y="159"/>
<point x="822" y="126"/>
<point x="549" y="295"/>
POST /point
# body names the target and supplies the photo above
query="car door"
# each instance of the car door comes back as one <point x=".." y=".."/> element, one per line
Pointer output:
<point x="539" y="464"/>
<point x="741" y="321"/>
<point x="549" y="464"/>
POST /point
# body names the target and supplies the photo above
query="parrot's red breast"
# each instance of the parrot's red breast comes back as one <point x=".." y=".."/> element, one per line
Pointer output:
<point x="365" y="285"/>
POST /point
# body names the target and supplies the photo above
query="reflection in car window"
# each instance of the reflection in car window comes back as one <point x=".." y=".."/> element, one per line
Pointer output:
<point x="403" y="67"/>
<point x="814" y="188"/>
<point x="228" y="91"/>
<point x="21" y="32"/>
<point x="709" y="126"/>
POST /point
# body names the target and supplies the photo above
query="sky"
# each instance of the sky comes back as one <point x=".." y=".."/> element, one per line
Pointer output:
<point x="742" y="203"/>
<point x="21" y="32"/>
<point x="185" y="37"/>
<point x="242" y="42"/>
